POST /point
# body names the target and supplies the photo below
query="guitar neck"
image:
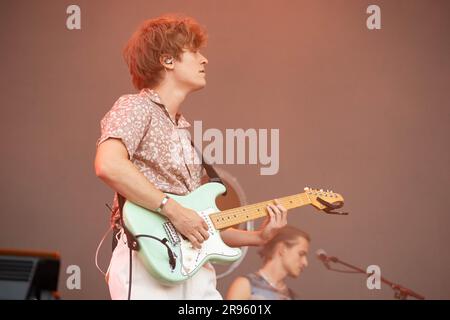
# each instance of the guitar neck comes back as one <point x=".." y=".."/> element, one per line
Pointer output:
<point x="231" y="217"/>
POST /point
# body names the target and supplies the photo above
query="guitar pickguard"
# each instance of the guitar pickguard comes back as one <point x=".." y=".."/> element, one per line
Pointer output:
<point x="192" y="258"/>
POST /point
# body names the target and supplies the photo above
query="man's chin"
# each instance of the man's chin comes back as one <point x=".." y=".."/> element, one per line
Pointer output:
<point x="198" y="87"/>
<point x="202" y="85"/>
<point x="296" y="274"/>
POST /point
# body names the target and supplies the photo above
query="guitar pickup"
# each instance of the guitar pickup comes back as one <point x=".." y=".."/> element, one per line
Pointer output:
<point x="171" y="232"/>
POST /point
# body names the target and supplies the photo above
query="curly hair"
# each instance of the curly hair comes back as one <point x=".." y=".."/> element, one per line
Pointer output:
<point x="155" y="38"/>
<point x="287" y="235"/>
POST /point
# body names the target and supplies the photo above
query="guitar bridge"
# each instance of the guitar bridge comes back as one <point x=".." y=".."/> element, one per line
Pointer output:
<point x="171" y="233"/>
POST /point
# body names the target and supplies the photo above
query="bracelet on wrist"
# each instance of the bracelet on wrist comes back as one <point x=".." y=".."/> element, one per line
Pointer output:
<point x="163" y="203"/>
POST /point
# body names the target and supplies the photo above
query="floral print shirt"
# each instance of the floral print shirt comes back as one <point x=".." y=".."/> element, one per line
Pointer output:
<point x="158" y="145"/>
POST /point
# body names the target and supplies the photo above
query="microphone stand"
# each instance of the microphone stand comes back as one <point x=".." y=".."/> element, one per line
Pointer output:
<point x="401" y="292"/>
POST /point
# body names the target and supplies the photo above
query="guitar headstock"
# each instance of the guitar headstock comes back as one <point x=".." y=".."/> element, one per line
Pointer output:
<point x="325" y="200"/>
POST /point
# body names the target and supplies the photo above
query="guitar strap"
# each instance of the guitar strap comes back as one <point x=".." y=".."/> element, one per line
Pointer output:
<point x="210" y="171"/>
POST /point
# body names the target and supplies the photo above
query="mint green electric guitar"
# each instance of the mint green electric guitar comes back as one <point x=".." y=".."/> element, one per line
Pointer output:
<point x="184" y="260"/>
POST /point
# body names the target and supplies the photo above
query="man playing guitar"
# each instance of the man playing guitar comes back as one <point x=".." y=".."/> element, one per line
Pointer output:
<point x="141" y="154"/>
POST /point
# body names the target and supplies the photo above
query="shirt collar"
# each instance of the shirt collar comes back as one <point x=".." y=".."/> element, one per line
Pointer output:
<point x="154" y="97"/>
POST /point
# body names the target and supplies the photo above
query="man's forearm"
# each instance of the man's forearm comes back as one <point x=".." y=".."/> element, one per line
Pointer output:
<point x="238" y="238"/>
<point x="125" y="178"/>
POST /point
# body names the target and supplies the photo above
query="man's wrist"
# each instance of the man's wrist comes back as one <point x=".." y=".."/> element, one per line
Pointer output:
<point x="261" y="239"/>
<point x="162" y="204"/>
<point x="168" y="208"/>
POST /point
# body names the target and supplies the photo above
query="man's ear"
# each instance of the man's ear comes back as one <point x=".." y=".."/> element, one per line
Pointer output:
<point x="281" y="248"/>
<point x="167" y="61"/>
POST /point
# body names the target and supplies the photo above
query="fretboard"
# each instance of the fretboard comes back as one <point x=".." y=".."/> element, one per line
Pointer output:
<point x="231" y="217"/>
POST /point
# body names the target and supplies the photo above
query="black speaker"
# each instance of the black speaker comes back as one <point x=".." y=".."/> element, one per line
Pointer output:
<point x="28" y="275"/>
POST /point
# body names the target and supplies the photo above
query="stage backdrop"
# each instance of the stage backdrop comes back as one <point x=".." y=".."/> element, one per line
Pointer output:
<point x="363" y="112"/>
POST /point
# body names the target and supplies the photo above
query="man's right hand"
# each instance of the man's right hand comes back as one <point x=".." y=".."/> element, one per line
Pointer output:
<point x="187" y="222"/>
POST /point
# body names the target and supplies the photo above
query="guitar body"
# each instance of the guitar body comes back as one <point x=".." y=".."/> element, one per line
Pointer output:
<point x="188" y="260"/>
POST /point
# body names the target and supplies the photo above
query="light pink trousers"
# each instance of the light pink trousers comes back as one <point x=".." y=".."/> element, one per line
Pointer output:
<point x="202" y="286"/>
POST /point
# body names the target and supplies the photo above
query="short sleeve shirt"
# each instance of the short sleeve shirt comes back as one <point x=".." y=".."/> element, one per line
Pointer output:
<point x="158" y="145"/>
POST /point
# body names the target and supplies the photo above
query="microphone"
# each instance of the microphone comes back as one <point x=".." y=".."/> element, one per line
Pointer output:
<point x="322" y="256"/>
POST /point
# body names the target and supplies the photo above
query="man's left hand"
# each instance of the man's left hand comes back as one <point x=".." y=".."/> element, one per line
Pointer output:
<point x="276" y="220"/>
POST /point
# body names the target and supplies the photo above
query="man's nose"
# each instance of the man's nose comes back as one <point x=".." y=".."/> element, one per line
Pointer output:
<point x="203" y="59"/>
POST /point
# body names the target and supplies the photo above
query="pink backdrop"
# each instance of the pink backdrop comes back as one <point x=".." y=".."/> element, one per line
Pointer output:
<point x="362" y="112"/>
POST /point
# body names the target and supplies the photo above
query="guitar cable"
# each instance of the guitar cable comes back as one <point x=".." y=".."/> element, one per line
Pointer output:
<point x="133" y="245"/>
<point x="130" y="272"/>
<point x="98" y="249"/>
